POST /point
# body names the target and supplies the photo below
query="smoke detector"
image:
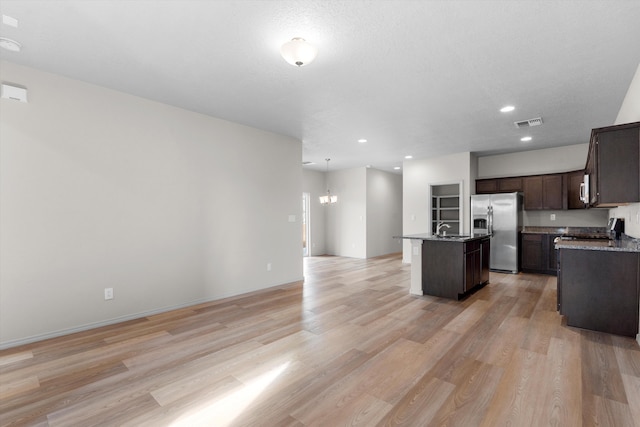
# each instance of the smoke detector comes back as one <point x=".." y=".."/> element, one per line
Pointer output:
<point x="528" y="123"/>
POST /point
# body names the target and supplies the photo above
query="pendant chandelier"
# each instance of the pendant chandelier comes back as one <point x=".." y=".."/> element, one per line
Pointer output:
<point x="328" y="198"/>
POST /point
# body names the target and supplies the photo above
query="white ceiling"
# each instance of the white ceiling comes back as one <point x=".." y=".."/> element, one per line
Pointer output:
<point x="425" y="78"/>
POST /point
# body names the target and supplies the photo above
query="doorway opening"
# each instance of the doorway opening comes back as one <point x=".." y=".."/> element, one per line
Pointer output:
<point x="306" y="235"/>
<point x="446" y="207"/>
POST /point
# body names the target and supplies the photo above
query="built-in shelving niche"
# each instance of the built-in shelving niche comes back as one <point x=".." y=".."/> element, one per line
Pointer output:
<point x="446" y="206"/>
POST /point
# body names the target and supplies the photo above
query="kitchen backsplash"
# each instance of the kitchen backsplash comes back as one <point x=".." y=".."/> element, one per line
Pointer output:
<point x="570" y="218"/>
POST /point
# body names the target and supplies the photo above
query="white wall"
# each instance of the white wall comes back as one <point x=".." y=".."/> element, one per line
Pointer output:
<point x="346" y="221"/>
<point x="418" y="175"/>
<point x="102" y="189"/>
<point x="548" y="160"/>
<point x="630" y="108"/>
<point x="384" y="212"/>
<point x="313" y="182"/>
<point x="365" y="219"/>
<point x="630" y="112"/>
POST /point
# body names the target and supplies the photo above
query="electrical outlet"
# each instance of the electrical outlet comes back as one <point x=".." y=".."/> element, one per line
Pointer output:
<point x="552" y="217"/>
<point x="108" y="293"/>
<point x="268" y="266"/>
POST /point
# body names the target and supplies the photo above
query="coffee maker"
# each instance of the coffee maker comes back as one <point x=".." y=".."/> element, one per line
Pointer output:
<point x="615" y="227"/>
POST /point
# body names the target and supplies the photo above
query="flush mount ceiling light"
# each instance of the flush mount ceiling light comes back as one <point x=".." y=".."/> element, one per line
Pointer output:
<point x="507" y="109"/>
<point x="408" y="157"/>
<point x="298" y="52"/>
<point x="362" y="141"/>
<point x="526" y="139"/>
<point x="328" y="199"/>
<point x="397" y="168"/>
<point x="9" y="44"/>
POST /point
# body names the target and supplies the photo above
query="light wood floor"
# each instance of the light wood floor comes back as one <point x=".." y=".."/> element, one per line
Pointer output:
<point x="349" y="347"/>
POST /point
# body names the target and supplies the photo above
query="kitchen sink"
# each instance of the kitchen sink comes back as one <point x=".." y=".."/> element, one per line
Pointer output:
<point x="452" y="236"/>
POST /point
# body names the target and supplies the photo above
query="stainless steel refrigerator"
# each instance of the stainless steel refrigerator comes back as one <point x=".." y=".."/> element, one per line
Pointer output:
<point x="501" y="216"/>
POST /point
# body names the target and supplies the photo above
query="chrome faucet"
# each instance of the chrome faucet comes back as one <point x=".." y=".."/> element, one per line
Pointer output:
<point x="440" y="225"/>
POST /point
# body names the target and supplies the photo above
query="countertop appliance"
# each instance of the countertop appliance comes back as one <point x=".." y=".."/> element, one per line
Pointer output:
<point x="616" y="227"/>
<point x="499" y="215"/>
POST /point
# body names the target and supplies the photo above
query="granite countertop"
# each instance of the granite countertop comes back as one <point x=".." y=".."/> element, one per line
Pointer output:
<point x="624" y="244"/>
<point x="563" y="230"/>
<point x="447" y="238"/>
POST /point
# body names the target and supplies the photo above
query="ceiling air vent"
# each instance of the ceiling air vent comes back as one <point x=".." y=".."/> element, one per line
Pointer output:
<point x="529" y="123"/>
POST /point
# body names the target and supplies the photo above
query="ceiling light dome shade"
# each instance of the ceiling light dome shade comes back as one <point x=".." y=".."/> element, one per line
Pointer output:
<point x="298" y="52"/>
<point x="9" y="44"/>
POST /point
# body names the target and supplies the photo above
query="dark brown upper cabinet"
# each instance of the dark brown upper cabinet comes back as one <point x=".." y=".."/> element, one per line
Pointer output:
<point x="498" y="185"/>
<point x="613" y="165"/>
<point x="543" y="192"/>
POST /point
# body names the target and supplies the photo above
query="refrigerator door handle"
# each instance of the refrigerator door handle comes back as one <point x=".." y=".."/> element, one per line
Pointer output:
<point x="490" y="220"/>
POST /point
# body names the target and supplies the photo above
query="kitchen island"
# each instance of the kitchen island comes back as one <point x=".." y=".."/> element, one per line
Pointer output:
<point x="448" y="266"/>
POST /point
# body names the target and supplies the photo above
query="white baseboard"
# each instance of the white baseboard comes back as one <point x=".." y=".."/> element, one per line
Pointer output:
<point x="54" y="334"/>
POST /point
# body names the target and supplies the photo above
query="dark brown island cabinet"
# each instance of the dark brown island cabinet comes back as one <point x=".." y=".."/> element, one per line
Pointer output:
<point x="613" y="165"/>
<point x="451" y="269"/>
<point x="598" y="290"/>
<point x="538" y="253"/>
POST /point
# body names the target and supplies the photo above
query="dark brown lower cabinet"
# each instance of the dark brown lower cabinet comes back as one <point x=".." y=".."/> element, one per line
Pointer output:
<point x="450" y="269"/>
<point x="538" y="254"/>
<point x="598" y="290"/>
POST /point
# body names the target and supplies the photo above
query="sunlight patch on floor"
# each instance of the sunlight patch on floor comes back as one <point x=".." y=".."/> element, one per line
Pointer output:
<point x="223" y="411"/>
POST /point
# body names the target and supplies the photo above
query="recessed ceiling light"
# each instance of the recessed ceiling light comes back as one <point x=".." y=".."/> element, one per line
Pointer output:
<point x="408" y="157"/>
<point x="397" y="168"/>
<point x="9" y="44"/>
<point x="362" y="141"/>
<point x="368" y="166"/>
<point x="507" y="108"/>
<point x="526" y="139"/>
